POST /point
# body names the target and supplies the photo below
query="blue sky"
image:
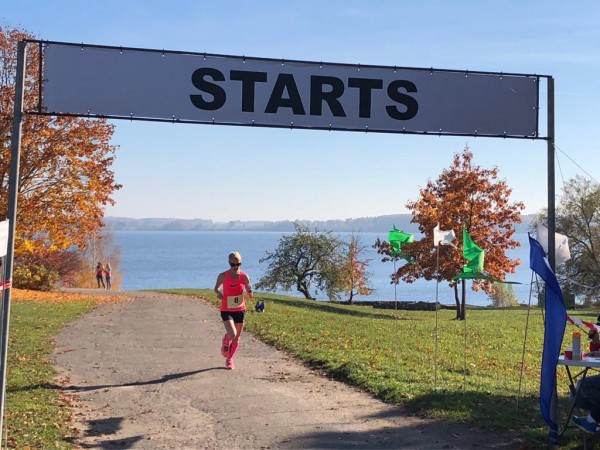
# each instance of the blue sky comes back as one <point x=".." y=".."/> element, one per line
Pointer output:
<point x="184" y="171"/>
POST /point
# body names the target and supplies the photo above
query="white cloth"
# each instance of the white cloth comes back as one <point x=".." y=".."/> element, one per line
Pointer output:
<point x="442" y="237"/>
<point x="3" y="238"/>
<point x="561" y="244"/>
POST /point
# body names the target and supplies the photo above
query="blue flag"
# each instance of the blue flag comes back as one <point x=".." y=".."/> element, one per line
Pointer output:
<point x="554" y="330"/>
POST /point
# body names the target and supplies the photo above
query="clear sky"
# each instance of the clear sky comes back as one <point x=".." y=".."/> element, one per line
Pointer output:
<point x="185" y="171"/>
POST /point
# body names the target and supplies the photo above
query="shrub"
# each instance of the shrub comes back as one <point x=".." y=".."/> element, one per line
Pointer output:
<point x="503" y="295"/>
<point x="35" y="277"/>
<point x="42" y="271"/>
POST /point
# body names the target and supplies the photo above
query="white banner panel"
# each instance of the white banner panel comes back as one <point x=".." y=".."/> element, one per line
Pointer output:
<point x="149" y="84"/>
<point x="3" y="238"/>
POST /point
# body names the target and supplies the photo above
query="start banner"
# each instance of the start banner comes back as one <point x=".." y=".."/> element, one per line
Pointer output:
<point x="149" y="84"/>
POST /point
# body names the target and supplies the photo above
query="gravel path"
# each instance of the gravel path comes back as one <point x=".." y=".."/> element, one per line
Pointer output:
<point x="148" y="374"/>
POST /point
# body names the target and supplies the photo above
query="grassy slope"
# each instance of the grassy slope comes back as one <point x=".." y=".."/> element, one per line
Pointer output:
<point x="388" y="353"/>
<point x="391" y="355"/>
<point x="35" y="413"/>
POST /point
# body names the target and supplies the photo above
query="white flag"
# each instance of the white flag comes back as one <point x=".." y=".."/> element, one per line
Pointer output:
<point x="442" y="237"/>
<point x="561" y="244"/>
<point x="3" y="238"/>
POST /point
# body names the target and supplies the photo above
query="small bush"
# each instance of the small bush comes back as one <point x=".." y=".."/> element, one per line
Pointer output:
<point x="35" y="277"/>
<point x="44" y="270"/>
<point x="503" y="295"/>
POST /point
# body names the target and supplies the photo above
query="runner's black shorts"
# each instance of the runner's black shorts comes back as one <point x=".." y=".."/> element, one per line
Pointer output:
<point x="236" y="316"/>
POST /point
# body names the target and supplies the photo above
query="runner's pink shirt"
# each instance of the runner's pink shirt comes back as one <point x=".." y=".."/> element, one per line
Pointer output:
<point x="233" y="293"/>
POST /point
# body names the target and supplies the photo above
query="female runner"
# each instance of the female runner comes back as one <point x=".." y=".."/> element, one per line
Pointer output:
<point x="230" y="288"/>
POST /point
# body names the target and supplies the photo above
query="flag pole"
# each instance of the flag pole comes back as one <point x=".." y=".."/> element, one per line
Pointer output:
<point x="465" y="349"/>
<point x="525" y="340"/>
<point x="395" y="294"/>
<point x="395" y="316"/>
<point x="437" y="285"/>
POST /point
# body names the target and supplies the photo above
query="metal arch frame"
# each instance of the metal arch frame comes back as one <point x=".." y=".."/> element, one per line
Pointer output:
<point x="16" y="147"/>
<point x="40" y="109"/>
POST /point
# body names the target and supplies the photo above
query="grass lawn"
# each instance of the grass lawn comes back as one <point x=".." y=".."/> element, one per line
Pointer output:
<point x="388" y="353"/>
<point x="36" y="414"/>
<point x="391" y="355"/>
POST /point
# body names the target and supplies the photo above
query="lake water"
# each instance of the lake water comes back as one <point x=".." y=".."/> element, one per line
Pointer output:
<point x="193" y="259"/>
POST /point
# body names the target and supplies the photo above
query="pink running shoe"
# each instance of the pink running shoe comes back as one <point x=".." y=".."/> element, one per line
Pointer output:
<point x="229" y="364"/>
<point x="225" y="346"/>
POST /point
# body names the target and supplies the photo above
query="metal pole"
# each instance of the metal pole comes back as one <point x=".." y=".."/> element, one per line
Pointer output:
<point x="395" y="318"/>
<point x="551" y="190"/>
<point x="13" y="190"/>
<point x="437" y="285"/>
<point x="551" y="220"/>
<point x="525" y="339"/>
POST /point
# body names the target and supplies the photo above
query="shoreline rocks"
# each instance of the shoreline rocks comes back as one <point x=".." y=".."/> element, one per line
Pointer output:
<point x="403" y="305"/>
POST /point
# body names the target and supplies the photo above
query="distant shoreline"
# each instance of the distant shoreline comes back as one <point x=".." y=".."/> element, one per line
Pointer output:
<point x="378" y="224"/>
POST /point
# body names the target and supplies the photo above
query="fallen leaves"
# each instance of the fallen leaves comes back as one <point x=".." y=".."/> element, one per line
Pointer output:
<point x="23" y="295"/>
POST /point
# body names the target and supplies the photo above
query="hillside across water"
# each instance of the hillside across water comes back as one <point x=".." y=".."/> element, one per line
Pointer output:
<point x="361" y="224"/>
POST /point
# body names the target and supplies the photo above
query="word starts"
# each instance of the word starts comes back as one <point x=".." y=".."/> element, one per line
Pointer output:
<point x="324" y="91"/>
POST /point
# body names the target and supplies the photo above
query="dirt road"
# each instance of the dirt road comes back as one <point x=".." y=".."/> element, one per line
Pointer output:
<point x="148" y="374"/>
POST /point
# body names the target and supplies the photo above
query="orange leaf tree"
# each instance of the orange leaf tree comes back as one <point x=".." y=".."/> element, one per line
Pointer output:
<point x="464" y="195"/>
<point x="65" y="171"/>
<point x="354" y="269"/>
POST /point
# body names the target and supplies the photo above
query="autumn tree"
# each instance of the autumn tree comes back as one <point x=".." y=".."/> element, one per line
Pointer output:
<point x="578" y="217"/>
<point x="354" y="273"/>
<point x="464" y="195"/>
<point x="304" y="260"/>
<point x="503" y="295"/>
<point x="66" y="176"/>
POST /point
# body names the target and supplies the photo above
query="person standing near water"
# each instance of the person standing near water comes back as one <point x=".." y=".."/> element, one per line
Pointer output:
<point x="100" y="275"/>
<point x="230" y="288"/>
<point x="108" y="274"/>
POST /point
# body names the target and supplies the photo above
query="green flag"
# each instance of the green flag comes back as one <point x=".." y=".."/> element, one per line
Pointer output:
<point x="473" y="254"/>
<point x="396" y="239"/>
<point x="480" y="276"/>
<point x="474" y="267"/>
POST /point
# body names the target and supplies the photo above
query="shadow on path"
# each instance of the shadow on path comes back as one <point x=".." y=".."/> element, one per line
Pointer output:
<point x="163" y="379"/>
<point x="104" y="427"/>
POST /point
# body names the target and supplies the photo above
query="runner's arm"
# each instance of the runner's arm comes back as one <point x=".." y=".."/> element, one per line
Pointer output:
<point x="248" y="287"/>
<point x="218" y="285"/>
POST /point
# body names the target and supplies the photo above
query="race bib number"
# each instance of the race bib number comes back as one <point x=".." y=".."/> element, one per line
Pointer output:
<point x="234" y="301"/>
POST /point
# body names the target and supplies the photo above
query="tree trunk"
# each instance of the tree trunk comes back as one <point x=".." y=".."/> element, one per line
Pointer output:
<point x="304" y="290"/>
<point x="457" y="300"/>
<point x="350" y="298"/>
